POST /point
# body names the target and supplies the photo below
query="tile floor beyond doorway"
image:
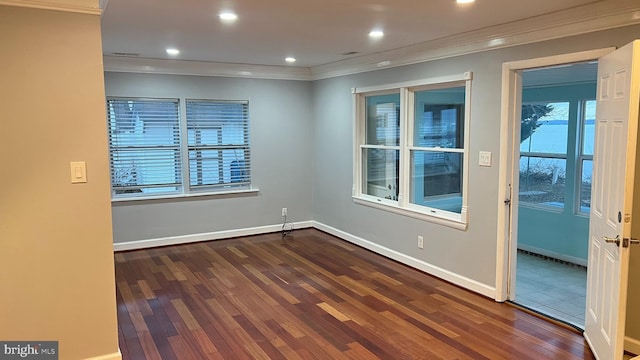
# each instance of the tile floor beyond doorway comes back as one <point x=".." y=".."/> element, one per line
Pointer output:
<point x="553" y="288"/>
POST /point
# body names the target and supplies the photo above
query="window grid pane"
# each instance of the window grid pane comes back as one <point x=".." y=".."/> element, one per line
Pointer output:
<point x="218" y="143"/>
<point x="544" y="127"/>
<point x="144" y="146"/>
<point x="439" y="118"/>
<point x="542" y="180"/>
<point x="382" y="172"/>
<point x="383" y="120"/>
<point x="436" y="179"/>
<point x="589" y="125"/>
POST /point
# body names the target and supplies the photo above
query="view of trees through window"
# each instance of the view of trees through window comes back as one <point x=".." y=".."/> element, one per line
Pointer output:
<point x="545" y="153"/>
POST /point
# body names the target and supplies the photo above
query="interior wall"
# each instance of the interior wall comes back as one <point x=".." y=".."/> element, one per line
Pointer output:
<point x="56" y="252"/>
<point x="281" y="160"/>
<point x="469" y="253"/>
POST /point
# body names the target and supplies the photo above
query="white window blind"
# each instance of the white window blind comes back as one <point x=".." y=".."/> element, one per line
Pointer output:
<point x="218" y="144"/>
<point x="144" y="146"/>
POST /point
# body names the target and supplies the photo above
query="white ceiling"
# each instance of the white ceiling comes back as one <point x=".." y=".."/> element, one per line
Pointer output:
<point x="315" y="32"/>
<point x="562" y="74"/>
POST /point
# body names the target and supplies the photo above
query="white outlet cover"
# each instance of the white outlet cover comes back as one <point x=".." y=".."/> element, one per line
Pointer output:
<point x="485" y="158"/>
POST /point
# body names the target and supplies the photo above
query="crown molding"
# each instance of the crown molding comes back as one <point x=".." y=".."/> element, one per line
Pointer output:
<point x="596" y="16"/>
<point x="204" y="68"/>
<point x="601" y="15"/>
<point x="91" y="7"/>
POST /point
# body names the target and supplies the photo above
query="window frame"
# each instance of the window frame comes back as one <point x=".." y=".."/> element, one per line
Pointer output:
<point x="550" y="155"/>
<point x="581" y="157"/>
<point x="403" y="205"/>
<point x="187" y="148"/>
<point x="574" y="155"/>
<point x="178" y="164"/>
<point x="184" y="188"/>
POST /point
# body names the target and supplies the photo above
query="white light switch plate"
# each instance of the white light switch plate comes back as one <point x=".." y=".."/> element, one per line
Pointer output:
<point x="78" y="172"/>
<point x="485" y="158"/>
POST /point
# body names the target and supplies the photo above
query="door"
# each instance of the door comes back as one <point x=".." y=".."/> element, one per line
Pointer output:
<point x="611" y="200"/>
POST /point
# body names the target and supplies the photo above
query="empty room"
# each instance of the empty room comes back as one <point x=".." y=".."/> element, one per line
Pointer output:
<point x="320" y="180"/>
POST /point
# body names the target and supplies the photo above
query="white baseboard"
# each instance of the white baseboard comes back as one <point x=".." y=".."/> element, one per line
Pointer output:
<point x="555" y="255"/>
<point x="449" y="276"/>
<point x="114" y="356"/>
<point x="632" y="345"/>
<point x="216" y="235"/>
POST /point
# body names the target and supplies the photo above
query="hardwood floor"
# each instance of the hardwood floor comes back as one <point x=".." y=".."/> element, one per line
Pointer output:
<point x="312" y="296"/>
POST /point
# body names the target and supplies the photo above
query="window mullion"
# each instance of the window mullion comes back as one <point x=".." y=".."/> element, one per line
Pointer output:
<point x="184" y="148"/>
<point x="358" y="139"/>
<point x="406" y="129"/>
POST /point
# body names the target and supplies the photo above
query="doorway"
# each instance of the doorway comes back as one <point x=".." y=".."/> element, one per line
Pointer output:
<point x="614" y="170"/>
<point x="555" y="154"/>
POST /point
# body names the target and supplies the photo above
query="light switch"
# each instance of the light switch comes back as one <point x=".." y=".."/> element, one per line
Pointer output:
<point x="78" y="172"/>
<point x="485" y="158"/>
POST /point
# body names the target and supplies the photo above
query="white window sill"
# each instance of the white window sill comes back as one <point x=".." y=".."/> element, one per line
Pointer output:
<point x="181" y="196"/>
<point x="426" y="214"/>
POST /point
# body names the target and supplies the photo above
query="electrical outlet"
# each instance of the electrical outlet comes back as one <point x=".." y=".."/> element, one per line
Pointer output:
<point x="284" y="211"/>
<point x="420" y="242"/>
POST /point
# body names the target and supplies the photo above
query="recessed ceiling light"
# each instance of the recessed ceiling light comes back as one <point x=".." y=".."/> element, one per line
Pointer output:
<point x="228" y="16"/>
<point x="376" y="34"/>
<point x="465" y="1"/>
<point x="290" y="59"/>
<point x="173" y="52"/>
<point x="496" y="42"/>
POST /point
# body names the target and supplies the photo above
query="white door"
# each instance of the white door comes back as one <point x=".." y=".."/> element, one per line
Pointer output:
<point x="611" y="200"/>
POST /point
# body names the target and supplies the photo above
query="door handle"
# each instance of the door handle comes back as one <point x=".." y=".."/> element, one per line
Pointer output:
<point x="615" y="240"/>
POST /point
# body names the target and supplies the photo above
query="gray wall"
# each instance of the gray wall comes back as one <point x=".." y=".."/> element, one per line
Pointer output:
<point x="281" y="157"/>
<point x="470" y="253"/>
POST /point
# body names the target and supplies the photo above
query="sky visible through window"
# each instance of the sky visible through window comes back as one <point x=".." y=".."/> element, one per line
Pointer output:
<point x="551" y="136"/>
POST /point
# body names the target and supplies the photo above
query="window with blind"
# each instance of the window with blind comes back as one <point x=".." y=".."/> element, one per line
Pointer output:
<point x="157" y="150"/>
<point x="144" y="146"/>
<point x="218" y="144"/>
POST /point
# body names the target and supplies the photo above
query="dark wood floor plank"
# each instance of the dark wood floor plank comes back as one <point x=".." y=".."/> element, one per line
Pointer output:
<point x="313" y="296"/>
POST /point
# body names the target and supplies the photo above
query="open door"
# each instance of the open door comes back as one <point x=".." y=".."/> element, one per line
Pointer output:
<point x="611" y="200"/>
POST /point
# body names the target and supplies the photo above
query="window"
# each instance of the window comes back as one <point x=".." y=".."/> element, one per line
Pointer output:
<point x="155" y="153"/>
<point x="557" y="138"/>
<point x="411" y="147"/>
<point x="543" y="153"/>
<point x="382" y="145"/>
<point x="218" y="144"/>
<point x="585" y="157"/>
<point x="437" y="154"/>
<point x="144" y="146"/>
